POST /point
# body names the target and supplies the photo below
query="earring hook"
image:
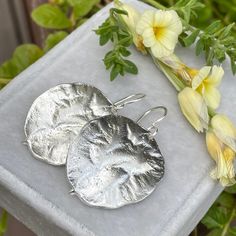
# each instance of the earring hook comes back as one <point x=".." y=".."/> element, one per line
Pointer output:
<point x="128" y="100"/>
<point x="153" y="129"/>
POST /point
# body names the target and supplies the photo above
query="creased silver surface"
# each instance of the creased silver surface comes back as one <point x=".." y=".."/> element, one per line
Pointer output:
<point x="113" y="162"/>
<point x="57" y="116"/>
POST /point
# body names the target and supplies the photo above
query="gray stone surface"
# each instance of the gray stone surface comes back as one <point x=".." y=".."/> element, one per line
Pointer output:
<point x="37" y="194"/>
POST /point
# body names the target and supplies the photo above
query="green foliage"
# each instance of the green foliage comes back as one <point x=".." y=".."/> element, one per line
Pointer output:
<point x="50" y="17"/>
<point x="231" y="189"/>
<point x="3" y="223"/>
<point x="55" y="15"/>
<point x="189" y="39"/>
<point x="216" y="217"/>
<point x="82" y="7"/>
<point x="187" y="8"/>
<point x="53" y="39"/>
<point x="112" y="30"/>
<point x="23" y="56"/>
<point x="221" y="215"/>
<point x="216" y="41"/>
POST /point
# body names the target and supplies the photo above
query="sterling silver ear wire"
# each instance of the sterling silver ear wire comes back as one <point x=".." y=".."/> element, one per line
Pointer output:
<point x="153" y="129"/>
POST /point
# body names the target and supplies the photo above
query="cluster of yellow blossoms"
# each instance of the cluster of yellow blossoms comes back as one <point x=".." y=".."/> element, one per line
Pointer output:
<point x="156" y="32"/>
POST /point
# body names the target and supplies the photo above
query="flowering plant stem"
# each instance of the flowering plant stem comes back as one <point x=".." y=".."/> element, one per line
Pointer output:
<point x="175" y="81"/>
<point x="156" y="33"/>
<point x="155" y="4"/>
<point x="215" y="41"/>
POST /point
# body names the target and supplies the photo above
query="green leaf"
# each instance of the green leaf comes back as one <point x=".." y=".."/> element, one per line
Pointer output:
<point x="23" y="56"/>
<point x="216" y="217"/>
<point x="130" y="67"/>
<point x="226" y="200"/>
<point x="209" y="56"/>
<point x="219" y="54"/>
<point x="104" y="38"/>
<point x="233" y="65"/>
<point x="213" y="27"/>
<point x="231" y="189"/>
<point x="50" y="17"/>
<point x="109" y="59"/>
<point x="4" y="81"/>
<point x="232" y="231"/>
<point x="54" y="39"/>
<point x="59" y="2"/>
<point x="82" y="7"/>
<point x="114" y="72"/>
<point x="226" y="31"/>
<point x="181" y="3"/>
<point x="8" y="69"/>
<point x="3" y="223"/>
<point x="189" y="40"/>
<point x="125" y="39"/>
<point x="118" y="11"/>
<point x="186" y="13"/>
<point x="124" y="52"/>
<point x="199" y="47"/>
<point x="215" y="232"/>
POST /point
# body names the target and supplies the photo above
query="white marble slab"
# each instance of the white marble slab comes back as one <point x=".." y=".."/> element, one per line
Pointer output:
<point x="37" y="194"/>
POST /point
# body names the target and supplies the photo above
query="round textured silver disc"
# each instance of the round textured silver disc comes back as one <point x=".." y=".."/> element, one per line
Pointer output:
<point x="113" y="162"/>
<point x="57" y="116"/>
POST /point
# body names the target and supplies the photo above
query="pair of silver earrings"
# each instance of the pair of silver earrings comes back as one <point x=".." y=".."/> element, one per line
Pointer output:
<point x="111" y="160"/>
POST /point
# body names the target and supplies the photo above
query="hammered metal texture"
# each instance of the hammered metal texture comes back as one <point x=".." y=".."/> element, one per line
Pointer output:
<point x="57" y="116"/>
<point x="114" y="162"/>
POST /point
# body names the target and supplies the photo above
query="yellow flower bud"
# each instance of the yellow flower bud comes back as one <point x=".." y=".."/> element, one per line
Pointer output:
<point x="131" y="22"/>
<point x="132" y="18"/>
<point x="194" y="108"/>
<point x="225" y="130"/>
<point x="223" y="156"/>
<point x="221" y="146"/>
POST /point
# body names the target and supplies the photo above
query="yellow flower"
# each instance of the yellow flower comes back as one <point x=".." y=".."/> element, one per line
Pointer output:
<point x="221" y="146"/>
<point x="131" y="21"/>
<point x="133" y="15"/>
<point x="160" y="31"/>
<point x="205" y="82"/>
<point x="194" y="108"/>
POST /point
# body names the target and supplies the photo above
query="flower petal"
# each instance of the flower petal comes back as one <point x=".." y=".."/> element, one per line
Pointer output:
<point x="149" y="38"/>
<point x="223" y="156"/>
<point x="145" y="22"/>
<point x="157" y="31"/>
<point x="162" y="18"/>
<point x="213" y="145"/>
<point x="194" y="108"/>
<point x="159" y="50"/>
<point x="201" y="75"/>
<point x="215" y="76"/>
<point x="212" y="96"/>
<point x="175" y="24"/>
<point x="169" y="39"/>
<point x="225" y="130"/>
<point x="133" y="15"/>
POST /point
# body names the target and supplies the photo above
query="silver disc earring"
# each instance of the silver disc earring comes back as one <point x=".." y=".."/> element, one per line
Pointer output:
<point x="58" y="115"/>
<point x="114" y="161"/>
